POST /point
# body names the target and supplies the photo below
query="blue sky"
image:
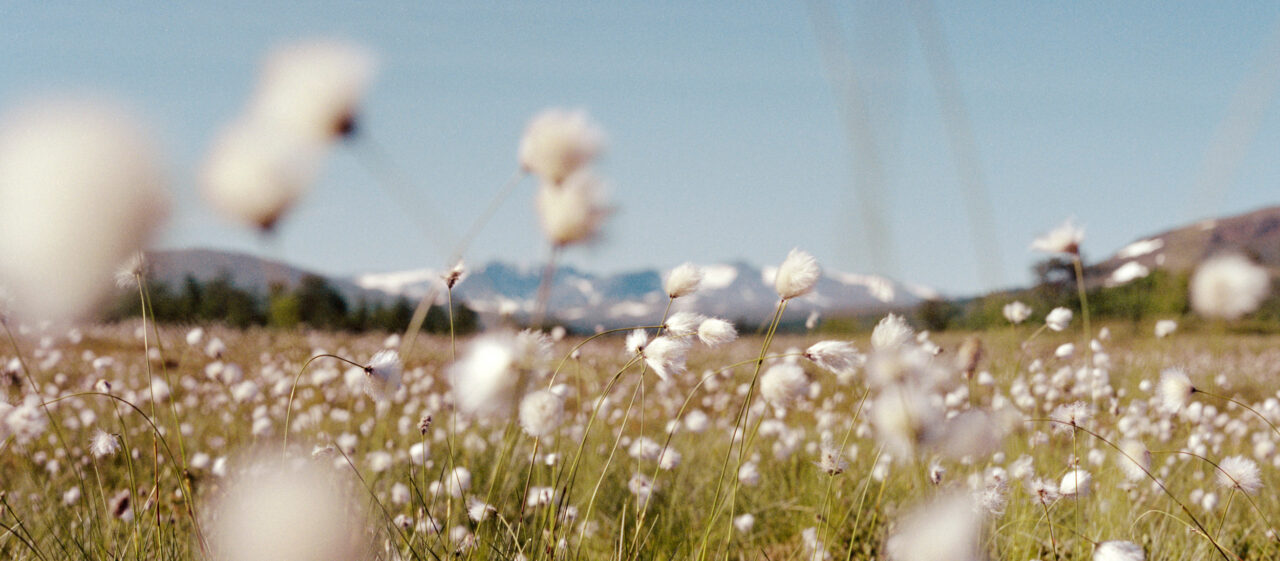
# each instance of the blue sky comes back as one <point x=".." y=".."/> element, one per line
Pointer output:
<point x="725" y="127"/>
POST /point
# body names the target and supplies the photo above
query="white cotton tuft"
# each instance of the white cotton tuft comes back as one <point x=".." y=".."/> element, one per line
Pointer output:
<point x="1240" y="473"/>
<point x="312" y="89"/>
<point x="1016" y="312"/>
<point x="783" y="384"/>
<point x="797" y="275"/>
<point x="890" y="333"/>
<point x="667" y="356"/>
<point x="1117" y="550"/>
<point x="1065" y="238"/>
<point x="714" y="332"/>
<point x="383" y="374"/>
<point x="683" y="280"/>
<point x="484" y="377"/>
<point x="1228" y="287"/>
<point x="572" y="211"/>
<point x="541" y="412"/>
<point x="839" y="357"/>
<point x="1058" y="319"/>
<point x="286" y="511"/>
<point x="1076" y="484"/>
<point x="557" y="142"/>
<point x="81" y="189"/>
<point x="949" y="527"/>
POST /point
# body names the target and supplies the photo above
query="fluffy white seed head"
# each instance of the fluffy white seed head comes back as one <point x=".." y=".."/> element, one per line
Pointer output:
<point x="667" y="356"/>
<point x="797" y="275"/>
<point x="541" y="412"/>
<point x="1228" y="287"/>
<point x="484" y="376"/>
<point x="1058" y="319"/>
<point x="683" y="280"/>
<point x="1240" y="473"/>
<point x="783" y="384"/>
<point x="1076" y="484"/>
<point x="1174" y="389"/>
<point x="312" y="89"/>
<point x="683" y="324"/>
<point x="1065" y="238"/>
<point x="81" y="189"/>
<point x="383" y="374"/>
<point x="949" y="527"/>
<point x="103" y="444"/>
<point x="839" y="357"/>
<point x="1117" y="550"/>
<point x="1165" y="328"/>
<point x="286" y="511"/>
<point x="1134" y="460"/>
<point x="714" y="332"/>
<point x="890" y="333"/>
<point x="1016" y="312"/>
<point x="254" y="173"/>
<point x="557" y="142"/>
<point x="572" y="211"/>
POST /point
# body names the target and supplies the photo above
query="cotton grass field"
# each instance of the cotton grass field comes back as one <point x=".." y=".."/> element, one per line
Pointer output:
<point x="1048" y="438"/>
<point x="862" y="462"/>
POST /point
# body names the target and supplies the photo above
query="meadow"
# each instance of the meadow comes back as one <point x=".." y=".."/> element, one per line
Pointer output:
<point x="626" y="465"/>
<point x="1046" y="437"/>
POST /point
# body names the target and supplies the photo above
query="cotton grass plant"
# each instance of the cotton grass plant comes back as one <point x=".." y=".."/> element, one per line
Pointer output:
<point x="672" y="438"/>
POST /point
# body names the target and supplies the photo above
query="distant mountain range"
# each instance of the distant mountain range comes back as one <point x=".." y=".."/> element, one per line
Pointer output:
<point x="736" y="291"/>
<point x="1256" y="234"/>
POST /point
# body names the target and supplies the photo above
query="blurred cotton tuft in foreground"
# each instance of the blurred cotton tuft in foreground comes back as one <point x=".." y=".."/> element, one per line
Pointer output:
<point x="81" y="188"/>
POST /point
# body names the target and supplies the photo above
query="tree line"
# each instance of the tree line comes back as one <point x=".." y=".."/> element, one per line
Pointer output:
<point x="313" y="303"/>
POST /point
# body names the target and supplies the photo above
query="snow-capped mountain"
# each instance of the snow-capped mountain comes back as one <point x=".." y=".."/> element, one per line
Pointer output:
<point x="736" y="291"/>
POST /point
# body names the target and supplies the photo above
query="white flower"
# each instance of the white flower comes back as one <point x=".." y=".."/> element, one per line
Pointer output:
<point x="1070" y="415"/>
<point x="797" y="275"/>
<point x="254" y="174"/>
<point x="1065" y="238"/>
<point x="572" y="211"/>
<point x="541" y="412"/>
<point x="383" y="374"/>
<point x="134" y="268"/>
<point x="1239" y="472"/>
<point x="642" y="487"/>
<point x="456" y="274"/>
<point x="891" y="333"/>
<point x="683" y="324"/>
<point x="816" y="550"/>
<point x="195" y="336"/>
<point x="636" y="341"/>
<point x="458" y="482"/>
<point x="1043" y="491"/>
<point x="1058" y="319"/>
<point x="1065" y="350"/>
<point x="1165" y="328"/>
<point x="1016" y="312"/>
<point x="683" y="280"/>
<point x="274" y="511"/>
<point x="840" y="357"/>
<point x="749" y="474"/>
<point x="784" y="383"/>
<point x="1117" y="550"/>
<point x="666" y="356"/>
<point x="714" y="332"/>
<point x="478" y="510"/>
<point x="1228" y="287"/>
<point x="831" y="461"/>
<point x="949" y="528"/>
<point x="483" y="378"/>
<point x="81" y="189"/>
<point x="1134" y="460"/>
<point x="1175" y="389"/>
<point x="103" y="444"/>
<point x="1075" y="484"/>
<point x="744" y="523"/>
<point x="557" y="142"/>
<point x="312" y="89"/>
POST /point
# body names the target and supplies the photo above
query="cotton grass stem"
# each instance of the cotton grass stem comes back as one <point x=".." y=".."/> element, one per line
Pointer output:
<point x="1202" y="530"/>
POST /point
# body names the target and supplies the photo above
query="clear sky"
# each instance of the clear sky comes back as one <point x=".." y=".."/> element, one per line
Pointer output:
<point x="727" y="128"/>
